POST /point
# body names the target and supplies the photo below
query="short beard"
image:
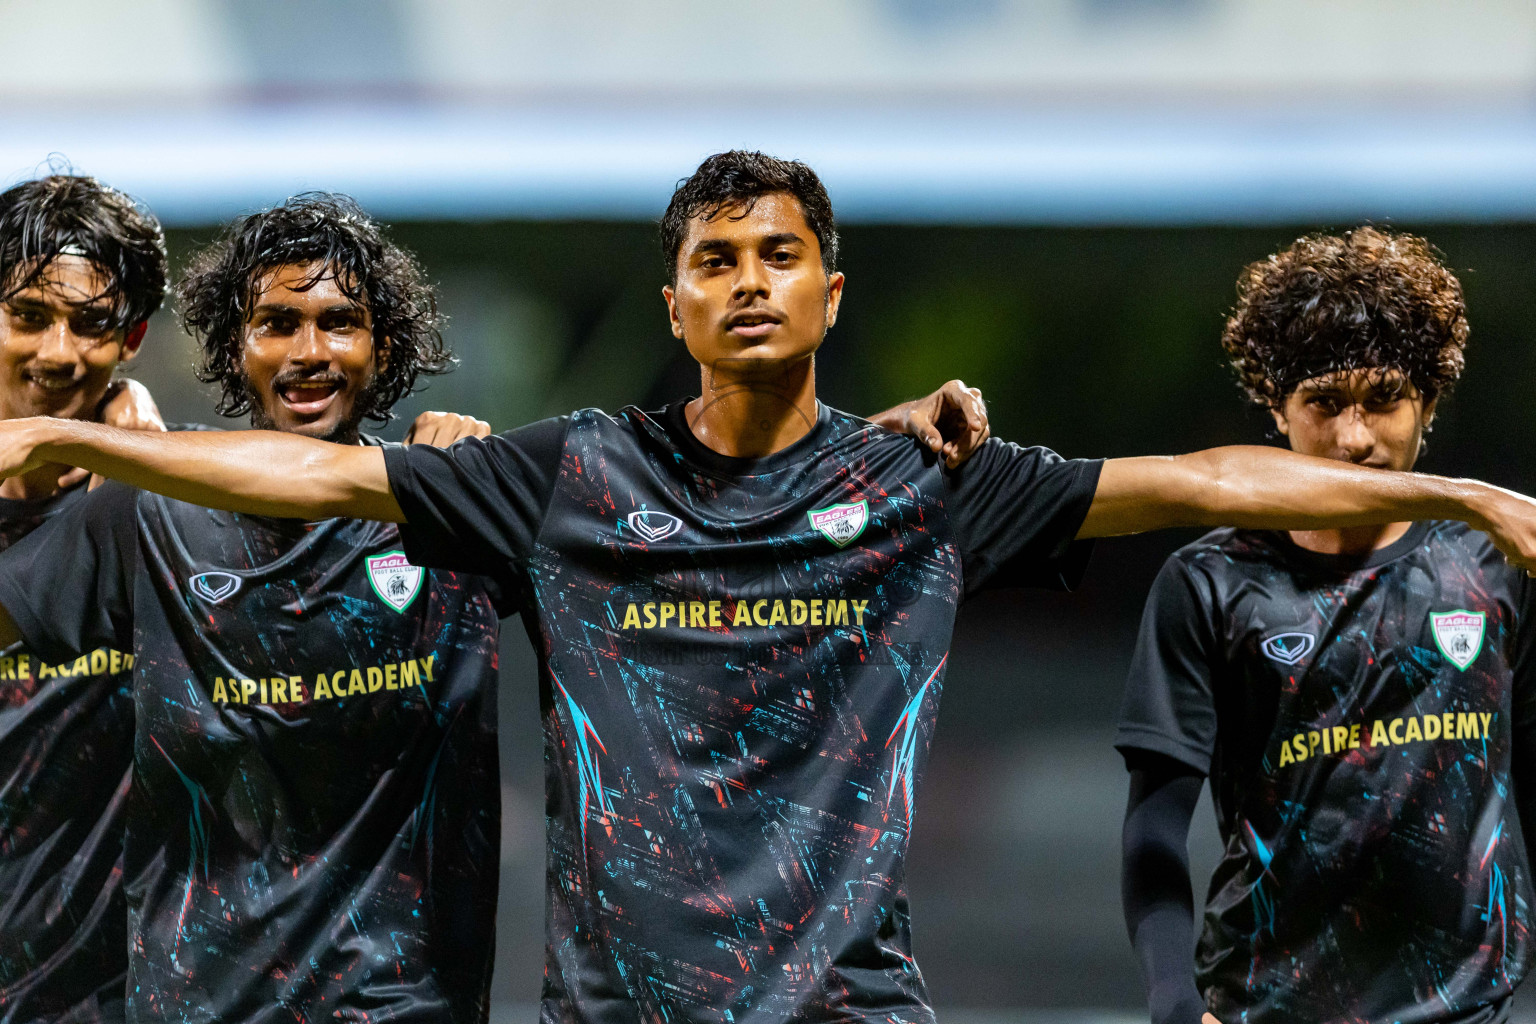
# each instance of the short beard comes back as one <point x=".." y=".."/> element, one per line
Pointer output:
<point x="346" y="431"/>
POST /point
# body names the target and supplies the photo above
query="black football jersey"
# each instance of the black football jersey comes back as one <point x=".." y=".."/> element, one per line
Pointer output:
<point x="1356" y="717"/>
<point x="313" y="820"/>
<point x="741" y="666"/>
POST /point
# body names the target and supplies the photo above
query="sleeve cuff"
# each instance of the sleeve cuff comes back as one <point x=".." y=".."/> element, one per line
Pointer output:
<point x="1130" y="738"/>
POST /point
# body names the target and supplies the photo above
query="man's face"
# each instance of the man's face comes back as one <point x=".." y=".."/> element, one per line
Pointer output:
<point x="752" y="291"/>
<point x="1368" y="417"/>
<point x="58" y="348"/>
<point x="308" y="355"/>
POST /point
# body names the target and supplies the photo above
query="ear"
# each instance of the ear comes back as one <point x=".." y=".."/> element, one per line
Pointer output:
<point x="381" y="353"/>
<point x="1428" y="416"/>
<point x="834" y="297"/>
<point x="1281" y="423"/>
<point x="671" y="297"/>
<point x="132" y="339"/>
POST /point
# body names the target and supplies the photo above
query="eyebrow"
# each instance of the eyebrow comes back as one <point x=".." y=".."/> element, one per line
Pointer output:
<point x="76" y="308"/>
<point x="284" y="308"/>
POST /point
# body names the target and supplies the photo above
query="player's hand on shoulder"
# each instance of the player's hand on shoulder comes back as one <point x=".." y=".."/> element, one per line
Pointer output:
<point x="441" y="429"/>
<point x="1509" y="519"/>
<point x="952" y="422"/>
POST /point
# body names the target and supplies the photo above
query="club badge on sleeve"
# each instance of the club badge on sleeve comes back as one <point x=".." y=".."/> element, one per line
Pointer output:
<point x="395" y="580"/>
<point x="841" y="524"/>
<point x="1459" y="635"/>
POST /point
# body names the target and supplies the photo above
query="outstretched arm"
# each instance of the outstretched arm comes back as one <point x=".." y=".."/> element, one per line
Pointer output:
<point x="255" y="471"/>
<point x="1270" y="488"/>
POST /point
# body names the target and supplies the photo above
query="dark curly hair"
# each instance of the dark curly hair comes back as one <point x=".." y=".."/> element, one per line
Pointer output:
<point x="1365" y="300"/>
<point x="332" y="232"/>
<point x="71" y="214"/>
<point x="742" y="178"/>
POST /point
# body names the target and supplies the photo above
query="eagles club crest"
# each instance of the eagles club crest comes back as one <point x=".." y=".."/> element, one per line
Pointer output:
<point x="841" y="524"/>
<point x="395" y="580"/>
<point x="1459" y="635"/>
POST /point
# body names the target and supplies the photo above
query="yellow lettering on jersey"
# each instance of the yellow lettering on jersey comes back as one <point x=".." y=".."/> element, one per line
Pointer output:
<point x="295" y="690"/>
<point x="322" y="688"/>
<point x="1431" y="727"/>
<point x="279" y="689"/>
<point x="1397" y="723"/>
<point x="98" y="661"/>
<point x="1486" y="717"/>
<point x="1286" y="757"/>
<point x="1313" y="739"/>
<point x="667" y="611"/>
<point x="1299" y="741"/>
<point x="1340" y="737"/>
<point x="778" y="618"/>
<point x="1466" y="722"/>
<point x="408" y="675"/>
<point x="714" y="614"/>
<point x="858" y="611"/>
<point x="815" y="611"/>
<point x="1354" y="736"/>
<point x="1379" y="737"/>
<point x="391" y="676"/>
<point x="837" y="613"/>
<point x="631" y="617"/>
<point x="798" y="613"/>
<point x="247" y="690"/>
<point x="355" y="683"/>
<point x="758" y="618"/>
<point x="7" y="667"/>
<point x="375" y="679"/>
<point x="116" y="664"/>
<point x="23" y="666"/>
<point x="219" y="693"/>
<point x="1413" y="732"/>
<point x="44" y="670"/>
<point x="426" y="666"/>
<point x="743" y="615"/>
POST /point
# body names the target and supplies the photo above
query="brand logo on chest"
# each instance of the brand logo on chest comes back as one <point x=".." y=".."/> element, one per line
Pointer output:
<point x="841" y="524"/>
<point x="653" y="526"/>
<point x="1459" y="635"/>
<point x="1288" y="648"/>
<point x="395" y="580"/>
<point x="215" y="586"/>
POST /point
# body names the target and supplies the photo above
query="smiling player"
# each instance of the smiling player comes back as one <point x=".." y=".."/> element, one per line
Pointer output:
<point x="1362" y="699"/>
<point x="742" y="605"/>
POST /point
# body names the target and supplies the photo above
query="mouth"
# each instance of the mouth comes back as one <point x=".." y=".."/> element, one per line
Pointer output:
<point x="54" y="384"/>
<point x="752" y="324"/>
<point x="310" y="396"/>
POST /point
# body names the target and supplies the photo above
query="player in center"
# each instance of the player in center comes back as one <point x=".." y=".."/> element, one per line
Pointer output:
<point x="742" y="605"/>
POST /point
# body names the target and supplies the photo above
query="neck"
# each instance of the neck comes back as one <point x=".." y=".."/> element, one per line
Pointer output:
<point x="42" y="482"/>
<point x="755" y="407"/>
<point x="1355" y="540"/>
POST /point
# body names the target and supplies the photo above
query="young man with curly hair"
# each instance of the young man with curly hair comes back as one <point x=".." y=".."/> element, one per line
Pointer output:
<point x="742" y="605"/>
<point x="82" y="268"/>
<point x="1361" y="699"/>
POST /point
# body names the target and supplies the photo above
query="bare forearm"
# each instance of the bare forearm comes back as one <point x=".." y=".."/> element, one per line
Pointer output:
<point x="1269" y="488"/>
<point x="254" y="471"/>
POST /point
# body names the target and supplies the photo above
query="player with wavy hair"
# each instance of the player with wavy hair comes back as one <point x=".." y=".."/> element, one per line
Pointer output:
<point x="1361" y="700"/>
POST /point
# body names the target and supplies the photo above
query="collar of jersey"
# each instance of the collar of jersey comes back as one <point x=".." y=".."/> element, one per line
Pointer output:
<point x="675" y="423"/>
<point x="1351" y="562"/>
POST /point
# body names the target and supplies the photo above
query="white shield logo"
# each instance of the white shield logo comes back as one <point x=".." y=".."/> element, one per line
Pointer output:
<point x="653" y="526"/>
<point x="1289" y="648"/>
<point x="215" y="586"/>
<point x="395" y="580"/>
<point x="841" y="524"/>
<point x="1459" y="635"/>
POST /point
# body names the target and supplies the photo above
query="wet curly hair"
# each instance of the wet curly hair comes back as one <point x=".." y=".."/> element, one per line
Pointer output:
<point x="332" y="232"/>
<point x="73" y="214"/>
<point x="1366" y="299"/>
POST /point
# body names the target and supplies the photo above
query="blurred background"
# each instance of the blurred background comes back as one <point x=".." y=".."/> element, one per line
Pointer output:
<point x="1048" y="198"/>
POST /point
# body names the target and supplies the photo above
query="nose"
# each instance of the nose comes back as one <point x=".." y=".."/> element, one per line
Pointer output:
<point x="311" y="347"/>
<point x="58" y="349"/>
<point x="1355" y="436"/>
<point x="751" y="279"/>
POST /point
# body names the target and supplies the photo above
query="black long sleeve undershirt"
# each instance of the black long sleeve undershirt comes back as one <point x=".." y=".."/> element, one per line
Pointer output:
<point x="1155" y="887"/>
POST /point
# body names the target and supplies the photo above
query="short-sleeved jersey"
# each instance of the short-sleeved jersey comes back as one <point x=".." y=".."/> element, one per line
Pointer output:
<point x="741" y="665"/>
<point x="66" y="744"/>
<point x="314" y="815"/>
<point x="1355" y="717"/>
